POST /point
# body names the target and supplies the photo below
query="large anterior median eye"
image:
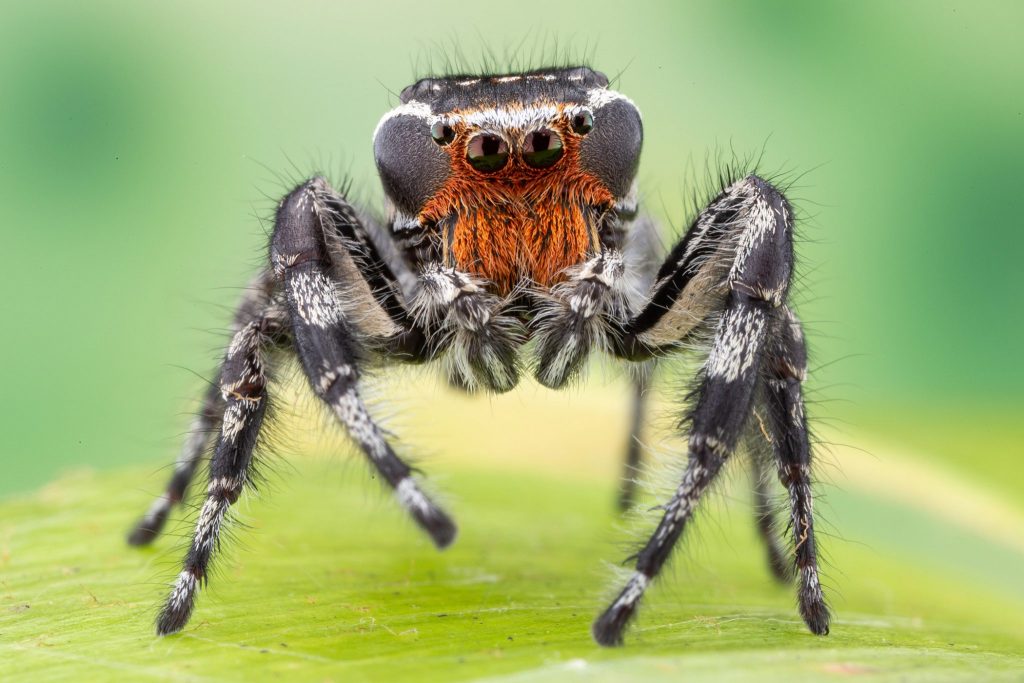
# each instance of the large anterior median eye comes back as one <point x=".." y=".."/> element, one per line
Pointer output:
<point x="487" y="152"/>
<point x="542" y="148"/>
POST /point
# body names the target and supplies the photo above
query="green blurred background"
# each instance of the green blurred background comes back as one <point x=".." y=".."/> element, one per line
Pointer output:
<point x="142" y="148"/>
<point x="140" y="144"/>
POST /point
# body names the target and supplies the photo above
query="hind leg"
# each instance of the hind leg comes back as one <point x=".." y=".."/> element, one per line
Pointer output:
<point x="203" y="430"/>
<point x="243" y="383"/>
<point x="729" y="276"/>
<point x="760" y="443"/>
<point x="786" y="365"/>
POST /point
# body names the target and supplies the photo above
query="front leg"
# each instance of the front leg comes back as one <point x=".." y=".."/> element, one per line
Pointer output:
<point x="202" y="432"/>
<point x="729" y="275"/>
<point x="716" y="424"/>
<point x="329" y="339"/>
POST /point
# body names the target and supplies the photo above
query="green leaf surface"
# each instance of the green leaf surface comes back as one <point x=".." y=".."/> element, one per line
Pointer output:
<point x="322" y="578"/>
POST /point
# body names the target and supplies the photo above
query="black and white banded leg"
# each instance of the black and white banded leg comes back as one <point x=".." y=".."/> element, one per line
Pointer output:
<point x="328" y="345"/>
<point x="716" y="423"/>
<point x="243" y="383"/>
<point x="745" y="233"/>
<point x="200" y="435"/>
<point x="786" y="369"/>
<point x="204" y="428"/>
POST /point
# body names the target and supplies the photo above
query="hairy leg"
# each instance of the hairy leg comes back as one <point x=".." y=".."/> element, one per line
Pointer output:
<point x="203" y="430"/>
<point x="243" y="383"/>
<point x="200" y="435"/>
<point x="329" y="344"/>
<point x="736" y="258"/>
<point x="760" y="442"/>
<point x="786" y="366"/>
<point x="716" y="424"/>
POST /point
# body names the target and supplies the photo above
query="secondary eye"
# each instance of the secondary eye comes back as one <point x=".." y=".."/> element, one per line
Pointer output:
<point x="487" y="152"/>
<point x="442" y="133"/>
<point x="542" y="148"/>
<point x="583" y="122"/>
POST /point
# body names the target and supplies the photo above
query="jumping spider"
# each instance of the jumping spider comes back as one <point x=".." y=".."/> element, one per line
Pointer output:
<point x="512" y="218"/>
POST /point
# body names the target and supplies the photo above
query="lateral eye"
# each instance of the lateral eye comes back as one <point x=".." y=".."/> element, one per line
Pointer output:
<point x="442" y="133"/>
<point x="487" y="152"/>
<point x="582" y="123"/>
<point x="542" y="148"/>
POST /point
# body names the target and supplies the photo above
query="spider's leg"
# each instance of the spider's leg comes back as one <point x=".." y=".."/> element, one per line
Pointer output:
<point x="200" y="435"/>
<point x="760" y="441"/>
<point x="201" y="432"/>
<point x="329" y="343"/>
<point x="786" y="368"/>
<point x="634" y="447"/>
<point x="243" y="384"/>
<point x="716" y="423"/>
<point x="737" y="258"/>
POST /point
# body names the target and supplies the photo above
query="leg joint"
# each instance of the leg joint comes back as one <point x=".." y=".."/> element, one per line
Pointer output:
<point x="709" y="451"/>
<point x="298" y="230"/>
<point x="226" y="488"/>
<point x="336" y="381"/>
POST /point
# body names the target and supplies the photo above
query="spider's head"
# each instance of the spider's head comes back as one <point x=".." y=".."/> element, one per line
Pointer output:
<point x="511" y="161"/>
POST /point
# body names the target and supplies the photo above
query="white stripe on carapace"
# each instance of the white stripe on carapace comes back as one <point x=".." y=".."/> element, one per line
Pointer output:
<point x="598" y="97"/>
<point x="513" y="117"/>
<point x="504" y="118"/>
<point x="420" y="110"/>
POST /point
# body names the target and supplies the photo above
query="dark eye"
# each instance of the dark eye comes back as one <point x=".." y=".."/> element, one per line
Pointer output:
<point x="487" y="152"/>
<point x="583" y="122"/>
<point x="442" y="133"/>
<point x="542" y="148"/>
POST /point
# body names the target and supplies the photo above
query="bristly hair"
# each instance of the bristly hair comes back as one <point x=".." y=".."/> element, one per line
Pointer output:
<point x="535" y="52"/>
<point x="724" y="165"/>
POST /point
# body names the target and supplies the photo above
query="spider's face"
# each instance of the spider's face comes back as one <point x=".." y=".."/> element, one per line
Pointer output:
<point x="517" y="167"/>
